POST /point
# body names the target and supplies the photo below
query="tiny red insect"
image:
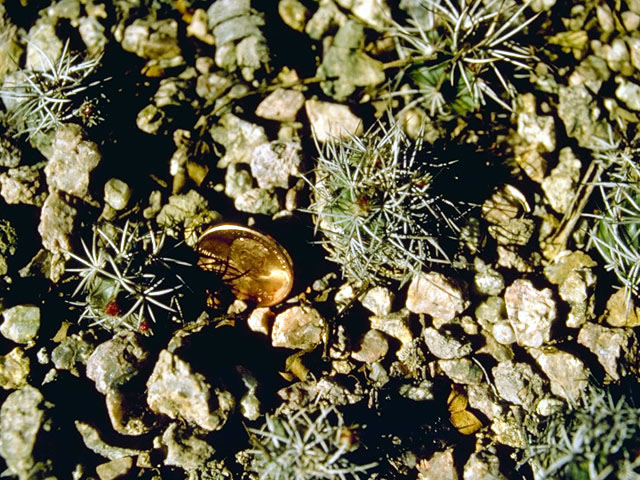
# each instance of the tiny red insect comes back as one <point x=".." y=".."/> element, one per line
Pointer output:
<point x="144" y="326"/>
<point x="112" y="309"/>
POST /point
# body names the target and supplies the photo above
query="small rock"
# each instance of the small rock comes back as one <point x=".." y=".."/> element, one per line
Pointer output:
<point x="185" y="449"/>
<point x="373" y="346"/>
<point x="181" y="208"/>
<point x="418" y="393"/>
<point x="273" y="163"/>
<point x="518" y="384"/>
<point x="10" y="154"/>
<point x="71" y="351"/>
<point x="298" y="327"/>
<point x="608" y="344"/>
<point x="92" y="33"/>
<point x="128" y="413"/>
<point x="237" y="181"/>
<point x="260" y="320"/>
<point x="56" y="223"/>
<point x="538" y="130"/>
<point x="116" y="193"/>
<point x="491" y="311"/>
<point x="281" y="105"/>
<point x="622" y="311"/>
<point x="531" y="312"/>
<point x="331" y="121"/>
<point x="508" y="431"/>
<point x="503" y="332"/>
<point x="445" y="345"/>
<point x="150" y="119"/>
<point x="238" y="137"/>
<point x="481" y="398"/>
<point x="634" y="44"/>
<point x="199" y="28"/>
<point x="579" y="112"/>
<point x="93" y="442"/>
<point x="565" y="263"/>
<point x="293" y="13"/>
<point x="157" y="40"/>
<point x="21" y="418"/>
<point x="115" y="469"/>
<point x="487" y="281"/>
<point x="43" y="47"/>
<point x="436" y="295"/>
<point x="71" y="160"/>
<point x="395" y="325"/>
<point x="326" y="16"/>
<point x="559" y="187"/>
<point x="461" y="371"/>
<point x="258" y="200"/>
<point x="14" y="369"/>
<point x="482" y="465"/>
<point x="441" y="466"/>
<point x="8" y="244"/>
<point x="114" y="362"/>
<point x="173" y="389"/>
<point x="576" y="292"/>
<point x="617" y="56"/>
<point x="516" y="231"/>
<point x="21" y="323"/>
<point x="378" y="300"/>
<point x="503" y="206"/>
<point x="567" y="373"/>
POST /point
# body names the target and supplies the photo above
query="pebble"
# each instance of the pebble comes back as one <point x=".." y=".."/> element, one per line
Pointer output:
<point x="92" y="33"/>
<point x="516" y="231"/>
<point x="281" y="105"/>
<point x="621" y="311"/>
<point x="531" y="312"/>
<point x="298" y="327"/>
<point x="326" y="16"/>
<point x="116" y="193"/>
<point x="395" y="325"/>
<point x="238" y="137"/>
<point x="264" y="201"/>
<point x="116" y="361"/>
<point x="517" y="383"/>
<point x="14" y="369"/>
<point x="462" y="371"/>
<point x="20" y="323"/>
<point x="293" y="13"/>
<point x="181" y="208"/>
<point x="373" y="347"/>
<point x="508" y="431"/>
<point x="617" y="56"/>
<point x="566" y="372"/>
<point x="436" y="295"/>
<point x="21" y="418"/>
<point x="260" y="320"/>
<point x="418" y="393"/>
<point x="173" y="389"/>
<point x="71" y="160"/>
<point x="482" y="398"/>
<point x="445" y="345"/>
<point x="332" y="121"/>
<point x="8" y="244"/>
<point x="487" y="281"/>
<point x="629" y="94"/>
<point x="73" y="350"/>
<point x="150" y="119"/>
<point x="128" y="413"/>
<point x="273" y="163"/>
<point x="237" y="181"/>
<point x="609" y="345"/>
<point x="199" y="27"/>
<point x="503" y="332"/>
<point x="634" y="47"/>
<point x="560" y="185"/>
<point x="56" y="223"/>
<point x="565" y="263"/>
<point x="378" y="300"/>
<point x="115" y="469"/>
<point x="10" y="153"/>
<point x="578" y="111"/>
<point x="374" y="13"/>
<point x="185" y="449"/>
<point x="152" y="39"/>
<point x="91" y="438"/>
<point x="43" y="47"/>
<point x="482" y="465"/>
<point x="576" y="291"/>
<point x="440" y="466"/>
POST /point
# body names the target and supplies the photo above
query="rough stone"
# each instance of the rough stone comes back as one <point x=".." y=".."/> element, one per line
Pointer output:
<point x="14" y="369"/>
<point x="578" y="111"/>
<point x="575" y="290"/>
<point x="116" y="361"/>
<point x="487" y="281"/>
<point x="436" y="295"/>
<point x="56" y="223"/>
<point x="481" y="398"/>
<point x="92" y="33"/>
<point x="418" y="393"/>
<point x="181" y="208"/>
<point x="565" y="263"/>
<point x="23" y="185"/>
<point x="482" y="465"/>
<point x="115" y="469"/>
<point x="373" y="346"/>
<point x="516" y="231"/>
<point x="150" y="119"/>
<point x="185" y="449"/>
<point x="43" y="47"/>
<point x="173" y="389"/>
<point x="238" y="137"/>
<point x="517" y="383"/>
<point x="21" y="323"/>
<point x="71" y="161"/>
<point x="567" y="373"/>
<point x="331" y="121"/>
<point x="260" y="320"/>
<point x="273" y="163"/>
<point x="116" y="193"/>
<point x="92" y="440"/>
<point x="395" y="325"/>
<point x="629" y="94"/>
<point x="461" y="371"/>
<point x="72" y="350"/>
<point x="508" y="430"/>
<point x="491" y="311"/>
<point x="326" y="16"/>
<point x="531" y="312"/>
<point x="445" y="345"/>
<point x="378" y="300"/>
<point x="559" y="187"/>
<point x="152" y="39"/>
<point x="298" y="327"/>
<point x="503" y="332"/>
<point x="237" y="181"/>
<point x="21" y="418"/>
<point x="608" y="344"/>
<point x="441" y="466"/>
<point x="281" y="105"/>
<point x="128" y="413"/>
<point x="622" y="311"/>
<point x="258" y="200"/>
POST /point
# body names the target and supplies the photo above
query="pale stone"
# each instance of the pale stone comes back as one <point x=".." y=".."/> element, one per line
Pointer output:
<point x="531" y="312"/>
<point x="608" y="344"/>
<point x="260" y="320"/>
<point x="566" y="372"/>
<point x="281" y="105"/>
<point x="444" y="345"/>
<point x="273" y="163"/>
<point x="436" y="295"/>
<point x="517" y="383"/>
<point x="330" y="121"/>
<point x="622" y="311"/>
<point x="373" y="346"/>
<point x="441" y="466"/>
<point x="115" y="469"/>
<point x="21" y="323"/>
<point x="116" y="193"/>
<point x="378" y="300"/>
<point x="14" y="369"/>
<point x="395" y="325"/>
<point x="298" y="327"/>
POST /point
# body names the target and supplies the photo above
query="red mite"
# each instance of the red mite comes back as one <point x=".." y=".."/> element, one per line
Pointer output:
<point x="112" y="309"/>
<point x="144" y="326"/>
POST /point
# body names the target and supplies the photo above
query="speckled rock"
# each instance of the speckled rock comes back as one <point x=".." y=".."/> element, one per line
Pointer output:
<point x="565" y="263"/>
<point x="417" y="392"/>
<point x="378" y="300"/>
<point x="14" y="369"/>
<point x="531" y="312"/>
<point x="92" y="33"/>
<point x="258" y="200"/>
<point x="115" y="469"/>
<point x="20" y="323"/>
<point x="576" y="290"/>
<point x="8" y="244"/>
<point x="487" y="281"/>
<point x="373" y="346"/>
<point x="238" y="137"/>
<point x="566" y="372"/>
<point x="578" y="111"/>
<point x="92" y="440"/>
<point x="150" y="119"/>
<point x="116" y="361"/>
<point x="445" y="345"/>
<point x="507" y="430"/>
<point x="436" y="295"/>
<point x="622" y="311"/>
<point x="153" y="39"/>
<point x="71" y="160"/>
<point x="173" y="389"/>
<point x="396" y="325"/>
<point x="516" y="231"/>
<point x="72" y="350"/>
<point x="281" y="105"/>
<point x="298" y="327"/>
<point x="273" y="163"/>
<point x="181" y="208"/>
<point x="237" y="181"/>
<point x="609" y="345"/>
<point x="517" y="383"/>
<point x="559" y="186"/>
<point x="56" y="223"/>
<point x="490" y="311"/>
<point x="21" y="418"/>
<point x="440" y="466"/>
<point x="331" y="120"/>
<point x="462" y="371"/>
<point x="185" y="449"/>
<point x="116" y="193"/>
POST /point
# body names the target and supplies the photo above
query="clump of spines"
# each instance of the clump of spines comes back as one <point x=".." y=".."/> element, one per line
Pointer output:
<point x="375" y="204"/>
<point x="40" y="100"/>
<point x="598" y="439"/>
<point x="304" y="445"/>
<point x="455" y="53"/>
<point x="126" y="279"/>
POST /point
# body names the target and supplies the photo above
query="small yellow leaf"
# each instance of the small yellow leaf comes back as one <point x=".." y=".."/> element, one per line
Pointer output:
<point x="465" y="422"/>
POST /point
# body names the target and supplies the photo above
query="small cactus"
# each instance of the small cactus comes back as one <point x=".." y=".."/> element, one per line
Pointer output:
<point x="375" y="203"/>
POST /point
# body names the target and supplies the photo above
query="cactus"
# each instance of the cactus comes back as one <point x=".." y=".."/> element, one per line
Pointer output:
<point x="376" y="203"/>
